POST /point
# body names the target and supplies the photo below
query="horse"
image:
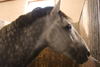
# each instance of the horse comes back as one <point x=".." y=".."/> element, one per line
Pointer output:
<point x="24" y="38"/>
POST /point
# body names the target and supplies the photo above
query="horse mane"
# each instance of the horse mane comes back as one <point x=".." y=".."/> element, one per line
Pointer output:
<point x="35" y="14"/>
<point x="29" y="18"/>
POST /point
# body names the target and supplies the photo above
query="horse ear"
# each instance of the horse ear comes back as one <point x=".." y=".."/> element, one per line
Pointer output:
<point x="56" y="8"/>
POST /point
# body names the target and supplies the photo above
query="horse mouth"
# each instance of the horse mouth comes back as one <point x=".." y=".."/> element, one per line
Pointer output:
<point x="81" y="61"/>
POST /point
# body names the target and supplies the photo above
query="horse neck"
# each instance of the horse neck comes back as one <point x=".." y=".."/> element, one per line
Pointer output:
<point x="35" y="37"/>
<point x="26" y="42"/>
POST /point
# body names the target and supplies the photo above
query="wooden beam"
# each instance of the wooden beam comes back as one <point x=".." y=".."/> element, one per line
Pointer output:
<point x="5" y="1"/>
<point x="35" y="1"/>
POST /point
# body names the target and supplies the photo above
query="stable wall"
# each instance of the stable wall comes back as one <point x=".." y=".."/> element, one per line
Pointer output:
<point x="89" y="26"/>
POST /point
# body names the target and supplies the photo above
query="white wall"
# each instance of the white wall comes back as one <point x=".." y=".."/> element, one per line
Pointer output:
<point x="72" y="8"/>
<point x="10" y="10"/>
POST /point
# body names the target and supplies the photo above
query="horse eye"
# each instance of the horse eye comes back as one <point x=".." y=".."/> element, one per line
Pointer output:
<point x="68" y="26"/>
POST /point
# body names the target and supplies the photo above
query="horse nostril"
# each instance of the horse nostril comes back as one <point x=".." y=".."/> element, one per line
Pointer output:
<point x="88" y="53"/>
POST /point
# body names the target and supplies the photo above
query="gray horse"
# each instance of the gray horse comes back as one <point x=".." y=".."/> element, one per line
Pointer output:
<point x="23" y="39"/>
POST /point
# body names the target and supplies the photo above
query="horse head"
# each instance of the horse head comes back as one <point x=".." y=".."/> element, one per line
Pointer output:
<point x="63" y="37"/>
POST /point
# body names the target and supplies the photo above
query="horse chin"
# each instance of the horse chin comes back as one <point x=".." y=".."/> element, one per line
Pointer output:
<point x="79" y="62"/>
